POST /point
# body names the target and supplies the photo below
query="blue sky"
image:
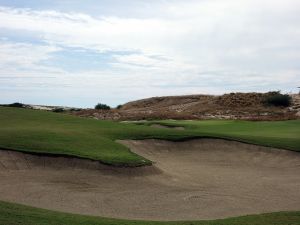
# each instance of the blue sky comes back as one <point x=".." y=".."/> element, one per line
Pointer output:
<point x="78" y="53"/>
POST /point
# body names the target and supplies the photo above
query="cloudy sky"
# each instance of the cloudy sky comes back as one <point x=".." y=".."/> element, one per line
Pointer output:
<point x="78" y="53"/>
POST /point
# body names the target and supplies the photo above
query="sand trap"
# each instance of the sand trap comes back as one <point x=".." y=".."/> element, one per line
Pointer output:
<point x="191" y="180"/>
<point x="166" y="127"/>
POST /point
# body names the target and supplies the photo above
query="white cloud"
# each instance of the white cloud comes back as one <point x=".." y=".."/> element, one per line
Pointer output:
<point x="196" y="28"/>
<point x="24" y="54"/>
<point x="180" y="47"/>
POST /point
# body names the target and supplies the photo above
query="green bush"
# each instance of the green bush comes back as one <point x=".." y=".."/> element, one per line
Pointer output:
<point x="75" y="110"/>
<point x="58" y="110"/>
<point x="17" y="105"/>
<point x="102" y="106"/>
<point x="278" y="99"/>
<point x="119" y="106"/>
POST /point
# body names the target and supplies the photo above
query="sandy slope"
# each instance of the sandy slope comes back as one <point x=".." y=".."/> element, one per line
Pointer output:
<point x="197" y="179"/>
<point x="249" y="106"/>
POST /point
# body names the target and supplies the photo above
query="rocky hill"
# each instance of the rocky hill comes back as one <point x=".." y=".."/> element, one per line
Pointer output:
<point x="250" y="106"/>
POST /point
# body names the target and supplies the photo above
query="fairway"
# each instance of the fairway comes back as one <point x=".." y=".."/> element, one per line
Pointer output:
<point x="52" y="133"/>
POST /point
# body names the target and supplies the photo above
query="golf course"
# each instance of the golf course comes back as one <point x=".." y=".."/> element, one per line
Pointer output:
<point x="62" y="169"/>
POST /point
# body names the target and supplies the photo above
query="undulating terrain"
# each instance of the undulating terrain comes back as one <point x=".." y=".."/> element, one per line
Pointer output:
<point x="53" y="133"/>
<point x="164" y="170"/>
<point x="247" y="106"/>
<point x="190" y="180"/>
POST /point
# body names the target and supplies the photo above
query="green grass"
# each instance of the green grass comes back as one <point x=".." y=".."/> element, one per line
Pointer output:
<point x="53" y="133"/>
<point x="15" y="214"/>
<point x="280" y="134"/>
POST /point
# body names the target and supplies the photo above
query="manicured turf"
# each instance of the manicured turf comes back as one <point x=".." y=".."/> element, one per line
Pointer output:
<point x="280" y="134"/>
<point x="15" y="214"/>
<point x="53" y="133"/>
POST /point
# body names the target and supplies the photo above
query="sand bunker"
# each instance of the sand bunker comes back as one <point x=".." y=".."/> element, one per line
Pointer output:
<point x="191" y="180"/>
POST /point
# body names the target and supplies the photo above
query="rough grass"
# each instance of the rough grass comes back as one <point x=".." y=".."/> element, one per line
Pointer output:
<point x="15" y="214"/>
<point x="52" y="133"/>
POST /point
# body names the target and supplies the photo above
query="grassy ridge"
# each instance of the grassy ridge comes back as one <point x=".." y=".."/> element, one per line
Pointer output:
<point x="280" y="134"/>
<point x="13" y="214"/>
<point x="47" y="132"/>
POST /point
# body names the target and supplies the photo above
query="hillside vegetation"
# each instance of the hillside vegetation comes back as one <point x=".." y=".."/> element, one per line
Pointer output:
<point x="54" y="133"/>
<point x="247" y="106"/>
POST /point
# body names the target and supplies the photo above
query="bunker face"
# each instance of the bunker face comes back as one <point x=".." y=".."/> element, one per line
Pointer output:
<point x="192" y="180"/>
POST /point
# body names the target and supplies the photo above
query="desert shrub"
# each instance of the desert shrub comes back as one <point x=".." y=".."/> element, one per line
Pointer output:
<point x="58" y="110"/>
<point x="102" y="106"/>
<point x="278" y="99"/>
<point x="119" y="106"/>
<point x="75" y="110"/>
<point x="17" y="105"/>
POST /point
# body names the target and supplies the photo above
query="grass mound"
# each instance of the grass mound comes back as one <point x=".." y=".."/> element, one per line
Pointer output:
<point x="47" y="132"/>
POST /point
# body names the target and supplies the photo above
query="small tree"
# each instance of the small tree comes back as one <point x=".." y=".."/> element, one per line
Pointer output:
<point x="119" y="106"/>
<point x="102" y="106"/>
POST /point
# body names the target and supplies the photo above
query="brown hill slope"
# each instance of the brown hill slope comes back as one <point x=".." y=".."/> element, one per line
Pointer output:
<point x="228" y="106"/>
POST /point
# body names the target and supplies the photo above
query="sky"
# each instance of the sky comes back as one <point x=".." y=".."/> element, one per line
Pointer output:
<point x="78" y="53"/>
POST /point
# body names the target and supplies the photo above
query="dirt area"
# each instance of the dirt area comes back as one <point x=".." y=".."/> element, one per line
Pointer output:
<point x="191" y="180"/>
<point x="246" y="106"/>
